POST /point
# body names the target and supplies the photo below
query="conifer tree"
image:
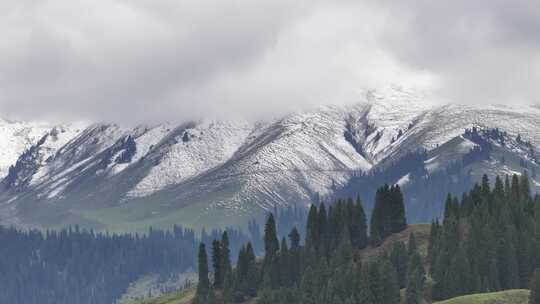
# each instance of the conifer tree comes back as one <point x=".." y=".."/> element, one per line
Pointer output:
<point x="294" y="256"/>
<point x="400" y="259"/>
<point x="390" y="283"/>
<point x="312" y="227"/>
<point x="322" y="240"/>
<point x="411" y="246"/>
<point x="364" y="293"/>
<point x="534" y="297"/>
<point x="228" y="288"/>
<point x="204" y="295"/>
<point x="204" y="282"/>
<point x="524" y="187"/>
<point x="225" y="266"/>
<point x="397" y="210"/>
<point x="271" y="243"/>
<point x="358" y="227"/>
<point x="216" y="263"/>
<point x="284" y="264"/>
<point x="252" y="275"/>
<point x="413" y="292"/>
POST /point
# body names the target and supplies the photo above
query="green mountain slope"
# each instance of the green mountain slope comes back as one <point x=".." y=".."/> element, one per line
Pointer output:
<point x="516" y="296"/>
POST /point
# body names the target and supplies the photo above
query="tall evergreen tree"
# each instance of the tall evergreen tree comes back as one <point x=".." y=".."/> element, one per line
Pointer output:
<point x="204" y="295"/>
<point x="217" y="263"/>
<point x="312" y="228"/>
<point x="534" y="297"/>
<point x="358" y="227"/>
<point x="225" y="266"/>
<point x="413" y="292"/>
<point x="390" y="283"/>
<point x="271" y="243"/>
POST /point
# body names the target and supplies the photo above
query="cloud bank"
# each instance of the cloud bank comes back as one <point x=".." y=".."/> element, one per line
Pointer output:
<point x="143" y="60"/>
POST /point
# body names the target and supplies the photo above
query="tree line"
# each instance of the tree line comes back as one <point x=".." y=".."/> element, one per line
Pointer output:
<point x="488" y="239"/>
<point x="326" y="268"/>
<point x="80" y="266"/>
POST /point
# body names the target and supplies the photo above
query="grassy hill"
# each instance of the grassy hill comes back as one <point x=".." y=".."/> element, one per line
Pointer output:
<point x="184" y="297"/>
<point x="421" y="232"/>
<point x="517" y="296"/>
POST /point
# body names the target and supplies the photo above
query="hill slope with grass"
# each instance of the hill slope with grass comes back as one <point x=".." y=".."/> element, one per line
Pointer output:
<point x="515" y="296"/>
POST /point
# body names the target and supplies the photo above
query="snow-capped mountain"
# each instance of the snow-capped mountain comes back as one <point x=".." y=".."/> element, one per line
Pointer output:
<point x="224" y="172"/>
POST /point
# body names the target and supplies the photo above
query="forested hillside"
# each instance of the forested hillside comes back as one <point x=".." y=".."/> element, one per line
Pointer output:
<point x="80" y="266"/>
<point x="487" y="241"/>
<point x="328" y="268"/>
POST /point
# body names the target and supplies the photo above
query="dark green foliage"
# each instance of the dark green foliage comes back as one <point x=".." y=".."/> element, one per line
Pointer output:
<point x="388" y="213"/>
<point x="225" y="264"/>
<point x="488" y="241"/>
<point x="327" y="269"/>
<point x="81" y="266"/>
<point x="389" y="282"/>
<point x="216" y="263"/>
<point x="535" y="288"/>
<point x="400" y="259"/>
<point x="271" y="243"/>
<point x="204" y="294"/>
<point x="204" y="282"/>
<point x="413" y="292"/>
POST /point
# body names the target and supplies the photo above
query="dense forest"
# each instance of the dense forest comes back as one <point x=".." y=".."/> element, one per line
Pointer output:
<point x="80" y="266"/>
<point x="488" y="240"/>
<point x="326" y="269"/>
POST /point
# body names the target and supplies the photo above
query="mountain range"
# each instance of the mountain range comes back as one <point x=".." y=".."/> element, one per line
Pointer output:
<point x="225" y="172"/>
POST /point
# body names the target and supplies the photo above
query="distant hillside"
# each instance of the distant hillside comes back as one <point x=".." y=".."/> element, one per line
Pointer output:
<point x="515" y="296"/>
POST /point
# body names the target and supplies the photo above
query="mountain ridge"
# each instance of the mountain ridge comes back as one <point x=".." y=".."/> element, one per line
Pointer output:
<point x="224" y="172"/>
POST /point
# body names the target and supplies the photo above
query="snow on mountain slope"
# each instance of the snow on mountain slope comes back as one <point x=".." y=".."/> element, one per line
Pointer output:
<point x="15" y="138"/>
<point x="294" y="158"/>
<point x="193" y="151"/>
<point x="107" y="175"/>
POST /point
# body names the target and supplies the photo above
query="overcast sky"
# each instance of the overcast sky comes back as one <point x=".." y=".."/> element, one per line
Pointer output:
<point x="144" y="60"/>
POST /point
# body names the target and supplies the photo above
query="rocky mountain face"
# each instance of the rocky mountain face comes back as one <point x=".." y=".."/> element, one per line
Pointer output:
<point x="214" y="173"/>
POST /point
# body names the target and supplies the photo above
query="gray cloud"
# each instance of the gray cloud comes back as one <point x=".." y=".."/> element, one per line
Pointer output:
<point x="152" y="60"/>
<point x="481" y="51"/>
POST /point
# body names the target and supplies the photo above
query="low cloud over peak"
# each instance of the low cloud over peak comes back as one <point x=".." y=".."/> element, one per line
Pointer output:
<point x="147" y="60"/>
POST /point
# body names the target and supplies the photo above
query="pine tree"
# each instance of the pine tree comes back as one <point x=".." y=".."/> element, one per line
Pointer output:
<point x="397" y="210"/>
<point x="312" y="228"/>
<point x="271" y="243"/>
<point x="358" y="226"/>
<point x="322" y="240"/>
<point x="413" y="292"/>
<point x="228" y="288"/>
<point x="377" y="223"/>
<point x="252" y="274"/>
<point x="364" y="293"/>
<point x="390" y="283"/>
<point x="294" y="256"/>
<point x="534" y="297"/>
<point x="400" y="259"/>
<point x="225" y="265"/>
<point x="203" y="293"/>
<point x="284" y="264"/>
<point x="412" y="247"/>
<point x="524" y="187"/>
<point x="216" y="263"/>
